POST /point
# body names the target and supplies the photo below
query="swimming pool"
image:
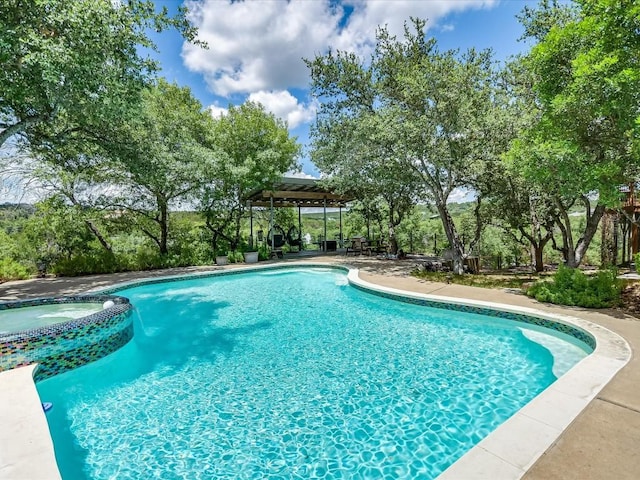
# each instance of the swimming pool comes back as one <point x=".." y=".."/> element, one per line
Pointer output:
<point x="296" y="374"/>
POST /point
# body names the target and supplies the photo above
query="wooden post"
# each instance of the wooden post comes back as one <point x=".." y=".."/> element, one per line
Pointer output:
<point x="324" y="246"/>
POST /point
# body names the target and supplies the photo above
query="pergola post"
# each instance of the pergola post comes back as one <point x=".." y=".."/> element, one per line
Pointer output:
<point x="271" y="221"/>
<point x="341" y="237"/>
<point x="299" y="228"/>
<point x="250" y="224"/>
<point x="324" y="206"/>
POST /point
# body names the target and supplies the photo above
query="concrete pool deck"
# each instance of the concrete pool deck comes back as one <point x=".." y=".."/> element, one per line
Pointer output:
<point x="602" y="442"/>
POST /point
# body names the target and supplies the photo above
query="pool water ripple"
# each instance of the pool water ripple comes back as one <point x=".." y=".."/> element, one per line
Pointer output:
<point x="303" y="377"/>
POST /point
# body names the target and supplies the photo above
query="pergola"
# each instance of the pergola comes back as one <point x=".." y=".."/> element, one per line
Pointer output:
<point x="297" y="192"/>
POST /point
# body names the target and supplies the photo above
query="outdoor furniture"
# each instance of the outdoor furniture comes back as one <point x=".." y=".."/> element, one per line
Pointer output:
<point x="473" y="263"/>
<point x="293" y="238"/>
<point x="358" y="244"/>
<point x="375" y="246"/>
<point x="329" y="245"/>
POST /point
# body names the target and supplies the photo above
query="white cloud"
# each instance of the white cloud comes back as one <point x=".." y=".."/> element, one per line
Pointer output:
<point x="292" y="174"/>
<point x="285" y="106"/>
<point x="259" y="46"/>
<point x="217" y="111"/>
<point x="461" y="195"/>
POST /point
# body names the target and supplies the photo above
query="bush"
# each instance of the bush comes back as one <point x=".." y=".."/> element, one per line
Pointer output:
<point x="636" y="260"/>
<point x="87" y="263"/>
<point x="235" y="257"/>
<point x="571" y="286"/>
<point x="263" y="252"/>
<point x="12" y="270"/>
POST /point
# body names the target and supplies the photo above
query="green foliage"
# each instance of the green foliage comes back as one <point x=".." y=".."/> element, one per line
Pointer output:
<point x="571" y="286"/>
<point x="12" y="270"/>
<point x="636" y="260"/>
<point x="86" y="263"/>
<point x="235" y="257"/>
<point x="74" y="65"/>
<point x="57" y="231"/>
<point x="171" y="157"/>
<point x="254" y="149"/>
<point x="263" y="252"/>
<point x="413" y="124"/>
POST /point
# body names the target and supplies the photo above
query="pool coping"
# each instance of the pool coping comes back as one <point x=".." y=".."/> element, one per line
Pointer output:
<point x="507" y="453"/>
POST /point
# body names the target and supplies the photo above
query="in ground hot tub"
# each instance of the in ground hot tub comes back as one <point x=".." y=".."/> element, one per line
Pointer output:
<point x="62" y="333"/>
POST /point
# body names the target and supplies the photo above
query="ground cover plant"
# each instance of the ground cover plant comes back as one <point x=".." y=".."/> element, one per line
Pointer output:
<point x="570" y="286"/>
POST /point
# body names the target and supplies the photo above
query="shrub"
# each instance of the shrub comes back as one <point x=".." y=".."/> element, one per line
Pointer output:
<point x="571" y="286"/>
<point x="86" y="263"/>
<point x="263" y="252"/>
<point x="235" y="257"/>
<point x="12" y="270"/>
<point x="636" y="260"/>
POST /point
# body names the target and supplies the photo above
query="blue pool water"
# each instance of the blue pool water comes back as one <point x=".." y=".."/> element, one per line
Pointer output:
<point x="294" y="374"/>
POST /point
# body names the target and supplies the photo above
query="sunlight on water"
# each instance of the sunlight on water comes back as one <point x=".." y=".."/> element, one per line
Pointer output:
<point x="295" y="375"/>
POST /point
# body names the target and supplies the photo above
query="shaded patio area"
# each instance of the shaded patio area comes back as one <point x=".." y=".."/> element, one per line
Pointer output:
<point x="289" y="192"/>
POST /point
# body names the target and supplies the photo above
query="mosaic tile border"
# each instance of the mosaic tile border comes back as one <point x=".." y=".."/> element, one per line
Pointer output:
<point x="578" y="333"/>
<point x="218" y="273"/>
<point x="67" y="345"/>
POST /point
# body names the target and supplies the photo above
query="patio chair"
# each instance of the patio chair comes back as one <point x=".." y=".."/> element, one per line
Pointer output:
<point x="294" y="239"/>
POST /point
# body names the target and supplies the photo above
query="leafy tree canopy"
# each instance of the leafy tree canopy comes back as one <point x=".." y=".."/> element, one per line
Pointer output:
<point x="75" y="62"/>
<point x="587" y="73"/>
<point x="414" y="114"/>
<point x="255" y="149"/>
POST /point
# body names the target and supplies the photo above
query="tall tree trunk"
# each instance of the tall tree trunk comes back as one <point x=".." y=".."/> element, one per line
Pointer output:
<point x="574" y="252"/>
<point x="608" y="246"/>
<point x="393" y="240"/>
<point x="590" y="230"/>
<point x="164" y="227"/>
<point x="538" y="249"/>
<point x="457" y="249"/>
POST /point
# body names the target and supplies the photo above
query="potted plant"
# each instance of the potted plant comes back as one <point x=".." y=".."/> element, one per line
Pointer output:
<point x="251" y="256"/>
<point x="251" y="251"/>
<point x="222" y="258"/>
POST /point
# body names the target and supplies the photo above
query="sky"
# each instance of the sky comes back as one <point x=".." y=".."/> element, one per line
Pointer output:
<point x="256" y="47"/>
<point x="256" y="51"/>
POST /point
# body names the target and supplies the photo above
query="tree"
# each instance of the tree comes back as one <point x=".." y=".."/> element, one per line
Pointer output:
<point x="56" y="231"/>
<point x="79" y="173"/>
<point x="170" y="157"/>
<point x="359" y="157"/>
<point x="524" y="214"/>
<point x="255" y="149"/>
<point x="74" y="65"/>
<point x="438" y="110"/>
<point x="587" y="74"/>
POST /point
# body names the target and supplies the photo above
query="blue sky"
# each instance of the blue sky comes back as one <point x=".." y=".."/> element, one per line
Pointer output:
<point x="256" y="47"/>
